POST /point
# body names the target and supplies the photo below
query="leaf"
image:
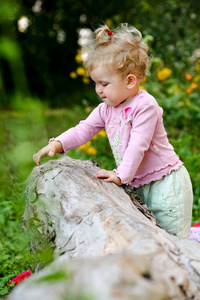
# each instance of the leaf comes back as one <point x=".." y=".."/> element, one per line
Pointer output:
<point x="4" y="291"/>
<point x="57" y="275"/>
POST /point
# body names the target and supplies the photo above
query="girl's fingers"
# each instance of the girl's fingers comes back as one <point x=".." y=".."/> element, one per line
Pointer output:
<point x="51" y="153"/>
<point x="36" y="159"/>
<point x="43" y="152"/>
<point x="101" y="174"/>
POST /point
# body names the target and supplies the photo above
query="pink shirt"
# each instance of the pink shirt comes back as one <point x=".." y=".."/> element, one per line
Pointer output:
<point x="137" y="137"/>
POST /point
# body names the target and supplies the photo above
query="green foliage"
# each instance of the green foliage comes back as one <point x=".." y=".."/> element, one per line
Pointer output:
<point x="45" y="49"/>
<point x="12" y="72"/>
<point x="14" y="254"/>
<point x="16" y="163"/>
<point x="54" y="276"/>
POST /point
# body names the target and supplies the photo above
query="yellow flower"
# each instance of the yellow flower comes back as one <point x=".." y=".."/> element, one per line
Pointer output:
<point x="188" y="76"/>
<point x="194" y="85"/>
<point x="95" y="137"/>
<point x="85" y="146"/>
<point x="86" y="80"/>
<point x="86" y="73"/>
<point x="142" y="87"/>
<point x="91" y="151"/>
<point x="73" y="75"/>
<point x="197" y="67"/>
<point x="144" y="80"/>
<point x="102" y="133"/>
<point x="109" y="23"/>
<point x="188" y="91"/>
<point x="78" y="58"/>
<point x="196" y="78"/>
<point x="80" y="71"/>
<point x="164" y="74"/>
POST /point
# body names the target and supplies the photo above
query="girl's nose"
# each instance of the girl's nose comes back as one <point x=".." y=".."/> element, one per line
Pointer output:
<point x="98" y="90"/>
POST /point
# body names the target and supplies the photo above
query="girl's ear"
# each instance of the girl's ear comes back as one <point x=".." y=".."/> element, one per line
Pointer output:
<point x="131" y="81"/>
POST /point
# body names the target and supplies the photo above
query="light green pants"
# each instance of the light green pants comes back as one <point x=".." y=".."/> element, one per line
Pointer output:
<point x="170" y="199"/>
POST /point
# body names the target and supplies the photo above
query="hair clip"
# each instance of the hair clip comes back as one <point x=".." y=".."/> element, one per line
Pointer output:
<point x="110" y="33"/>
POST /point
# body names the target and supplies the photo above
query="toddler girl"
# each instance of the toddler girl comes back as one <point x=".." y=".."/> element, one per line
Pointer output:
<point x="117" y="62"/>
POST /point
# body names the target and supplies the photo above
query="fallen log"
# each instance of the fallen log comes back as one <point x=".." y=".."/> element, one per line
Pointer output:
<point x="105" y="243"/>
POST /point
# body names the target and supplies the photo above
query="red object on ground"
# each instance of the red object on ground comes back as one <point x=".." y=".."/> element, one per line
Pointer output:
<point x="21" y="277"/>
<point x="196" y="225"/>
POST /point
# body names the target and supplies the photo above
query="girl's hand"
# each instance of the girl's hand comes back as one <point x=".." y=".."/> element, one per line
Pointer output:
<point x="108" y="176"/>
<point x="49" y="150"/>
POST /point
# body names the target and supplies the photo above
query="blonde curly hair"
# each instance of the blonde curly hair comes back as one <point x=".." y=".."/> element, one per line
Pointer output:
<point x="121" y="49"/>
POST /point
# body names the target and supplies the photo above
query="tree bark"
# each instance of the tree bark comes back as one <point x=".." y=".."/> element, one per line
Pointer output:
<point x="105" y="243"/>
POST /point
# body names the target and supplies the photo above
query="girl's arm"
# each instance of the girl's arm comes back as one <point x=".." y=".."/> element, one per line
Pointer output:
<point x="75" y="136"/>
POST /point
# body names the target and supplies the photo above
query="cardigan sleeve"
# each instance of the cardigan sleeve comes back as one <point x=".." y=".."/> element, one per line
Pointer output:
<point x="84" y="131"/>
<point x="144" y="125"/>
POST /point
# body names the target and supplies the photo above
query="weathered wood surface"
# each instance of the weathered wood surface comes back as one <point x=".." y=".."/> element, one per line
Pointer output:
<point x="112" y="246"/>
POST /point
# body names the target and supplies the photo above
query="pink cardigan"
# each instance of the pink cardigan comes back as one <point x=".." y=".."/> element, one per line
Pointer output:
<point x="137" y="137"/>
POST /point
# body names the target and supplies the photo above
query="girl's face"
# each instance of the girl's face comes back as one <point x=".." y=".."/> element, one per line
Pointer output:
<point x="110" y="87"/>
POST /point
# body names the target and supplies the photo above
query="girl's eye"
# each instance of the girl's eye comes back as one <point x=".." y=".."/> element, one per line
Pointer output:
<point x="104" y="84"/>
